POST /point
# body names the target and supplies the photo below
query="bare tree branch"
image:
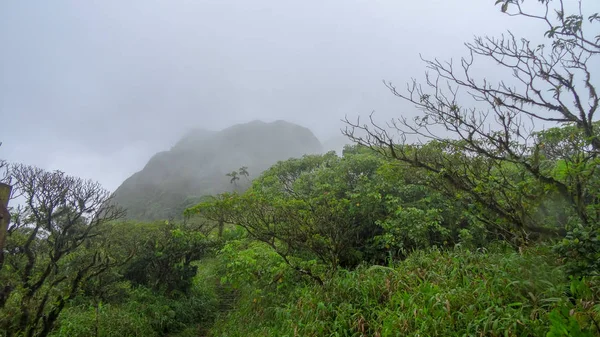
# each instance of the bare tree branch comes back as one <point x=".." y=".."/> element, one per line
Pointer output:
<point x="490" y="124"/>
<point x="60" y="214"/>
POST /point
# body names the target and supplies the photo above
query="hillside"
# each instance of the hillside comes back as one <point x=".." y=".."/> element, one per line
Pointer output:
<point x="197" y="165"/>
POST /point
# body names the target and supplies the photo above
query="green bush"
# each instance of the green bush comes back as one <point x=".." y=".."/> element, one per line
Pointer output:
<point x="107" y="321"/>
<point x="581" y="250"/>
<point x="457" y="293"/>
<point x="165" y="255"/>
<point x="144" y="313"/>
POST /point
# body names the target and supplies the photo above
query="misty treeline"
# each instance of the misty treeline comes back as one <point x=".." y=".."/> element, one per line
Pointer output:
<point x="488" y="225"/>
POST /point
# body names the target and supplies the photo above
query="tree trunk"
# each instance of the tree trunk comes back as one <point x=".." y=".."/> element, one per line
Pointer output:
<point x="221" y="226"/>
<point x="5" y="191"/>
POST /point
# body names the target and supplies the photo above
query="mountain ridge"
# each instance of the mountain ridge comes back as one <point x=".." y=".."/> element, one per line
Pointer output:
<point x="198" y="163"/>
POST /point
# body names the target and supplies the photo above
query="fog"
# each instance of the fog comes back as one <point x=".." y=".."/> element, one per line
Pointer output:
<point x="94" y="88"/>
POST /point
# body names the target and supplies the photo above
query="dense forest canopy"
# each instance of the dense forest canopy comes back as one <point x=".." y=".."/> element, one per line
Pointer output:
<point x="490" y="228"/>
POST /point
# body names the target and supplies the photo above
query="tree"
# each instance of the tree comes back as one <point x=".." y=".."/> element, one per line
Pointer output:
<point x="4" y="172"/>
<point x="323" y="212"/>
<point x="164" y="255"/>
<point x="212" y="211"/>
<point x="234" y="178"/>
<point x="491" y="138"/>
<point x="51" y="248"/>
<point x="243" y="171"/>
<point x="5" y="195"/>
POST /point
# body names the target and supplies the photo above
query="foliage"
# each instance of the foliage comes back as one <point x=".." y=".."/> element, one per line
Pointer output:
<point x="580" y="316"/>
<point x="107" y="320"/>
<point x="480" y="137"/>
<point x="52" y="247"/>
<point x="65" y="250"/>
<point x="132" y="308"/>
<point x="340" y="211"/>
<point x="566" y="155"/>
<point x="581" y="250"/>
<point x="492" y="229"/>
<point x="165" y="254"/>
<point x="252" y="263"/>
<point x="144" y="313"/>
<point x="431" y="293"/>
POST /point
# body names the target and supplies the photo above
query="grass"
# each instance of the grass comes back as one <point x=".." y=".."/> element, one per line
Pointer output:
<point x="434" y="293"/>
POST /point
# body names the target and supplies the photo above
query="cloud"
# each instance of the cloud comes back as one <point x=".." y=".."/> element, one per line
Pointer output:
<point x="97" y="87"/>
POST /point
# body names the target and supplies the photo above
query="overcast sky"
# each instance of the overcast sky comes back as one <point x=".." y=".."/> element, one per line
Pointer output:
<point x="94" y="88"/>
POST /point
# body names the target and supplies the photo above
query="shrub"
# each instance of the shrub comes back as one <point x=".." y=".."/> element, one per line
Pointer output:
<point x="434" y="293"/>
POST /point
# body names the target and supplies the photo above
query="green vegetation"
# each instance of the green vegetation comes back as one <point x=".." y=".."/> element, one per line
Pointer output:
<point x="431" y="293"/>
<point x="492" y="230"/>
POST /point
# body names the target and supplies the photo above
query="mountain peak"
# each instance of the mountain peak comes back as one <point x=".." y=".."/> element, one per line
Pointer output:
<point x="197" y="164"/>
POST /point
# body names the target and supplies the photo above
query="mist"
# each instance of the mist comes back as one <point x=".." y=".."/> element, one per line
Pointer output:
<point x="95" y="88"/>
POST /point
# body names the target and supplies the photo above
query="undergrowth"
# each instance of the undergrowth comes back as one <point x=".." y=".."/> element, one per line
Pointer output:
<point x="432" y="293"/>
<point x="145" y="313"/>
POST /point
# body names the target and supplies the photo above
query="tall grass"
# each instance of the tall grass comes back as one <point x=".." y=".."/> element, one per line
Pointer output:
<point x="432" y="293"/>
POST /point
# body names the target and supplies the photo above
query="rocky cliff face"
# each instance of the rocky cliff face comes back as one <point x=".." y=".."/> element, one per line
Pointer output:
<point x="197" y="166"/>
